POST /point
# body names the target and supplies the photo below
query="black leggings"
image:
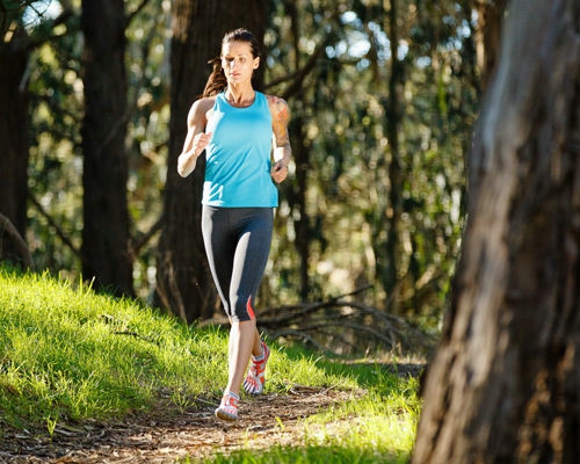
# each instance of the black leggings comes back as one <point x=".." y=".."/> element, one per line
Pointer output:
<point x="237" y="243"/>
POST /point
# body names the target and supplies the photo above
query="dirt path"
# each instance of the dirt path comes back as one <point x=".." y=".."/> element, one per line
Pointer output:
<point x="266" y="420"/>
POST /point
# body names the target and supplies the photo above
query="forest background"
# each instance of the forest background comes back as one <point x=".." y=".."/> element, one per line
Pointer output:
<point x="383" y="96"/>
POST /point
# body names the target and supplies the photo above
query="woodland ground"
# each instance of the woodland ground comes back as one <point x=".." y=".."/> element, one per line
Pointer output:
<point x="164" y="437"/>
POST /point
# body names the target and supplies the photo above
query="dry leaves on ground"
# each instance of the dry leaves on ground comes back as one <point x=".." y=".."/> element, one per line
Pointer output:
<point x="266" y="420"/>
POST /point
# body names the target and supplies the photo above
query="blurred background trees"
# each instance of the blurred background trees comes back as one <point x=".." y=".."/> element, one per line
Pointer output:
<point x="383" y="94"/>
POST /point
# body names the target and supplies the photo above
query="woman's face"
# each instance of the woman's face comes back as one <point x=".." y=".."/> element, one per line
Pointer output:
<point x="238" y="62"/>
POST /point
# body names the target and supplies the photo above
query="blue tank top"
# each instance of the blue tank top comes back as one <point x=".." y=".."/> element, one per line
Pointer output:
<point x="237" y="172"/>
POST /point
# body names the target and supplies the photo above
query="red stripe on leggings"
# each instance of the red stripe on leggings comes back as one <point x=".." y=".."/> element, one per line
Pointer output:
<point x="250" y="309"/>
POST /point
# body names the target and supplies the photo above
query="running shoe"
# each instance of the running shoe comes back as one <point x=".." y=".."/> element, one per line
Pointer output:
<point x="228" y="408"/>
<point x="254" y="383"/>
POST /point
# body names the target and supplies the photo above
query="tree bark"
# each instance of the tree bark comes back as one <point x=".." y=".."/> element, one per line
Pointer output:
<point x="184" y="284"/>
<point x="14" y="125"/>
<point x="105" y="247"/>
<point x="391" y="276"/>
<point x="504" y="384"/>
<point x="304" y="231"/>
<point x="488" y="38"/>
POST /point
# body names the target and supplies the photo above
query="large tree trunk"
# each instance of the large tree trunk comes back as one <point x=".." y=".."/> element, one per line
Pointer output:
<point x="504" y="385"/>
<point x="14" y="56"/>
<point x="184" y="284"/>
<point x="105" y="248"/>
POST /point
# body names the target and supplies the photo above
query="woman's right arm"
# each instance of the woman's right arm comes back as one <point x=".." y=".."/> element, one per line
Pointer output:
<point x="196" y="139"/>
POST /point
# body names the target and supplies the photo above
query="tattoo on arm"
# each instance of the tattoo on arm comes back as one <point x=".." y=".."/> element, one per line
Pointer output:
<point x="280" y="118"/>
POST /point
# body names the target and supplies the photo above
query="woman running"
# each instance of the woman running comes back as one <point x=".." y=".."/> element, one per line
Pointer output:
<point x="237" y="127"/>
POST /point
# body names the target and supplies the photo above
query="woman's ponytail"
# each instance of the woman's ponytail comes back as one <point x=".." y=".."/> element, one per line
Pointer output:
<point x="217" y="82"/>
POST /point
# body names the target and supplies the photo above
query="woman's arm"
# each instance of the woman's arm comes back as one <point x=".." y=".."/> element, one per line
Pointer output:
<point x="196" y="139"/>
<point x="282" y="149"/>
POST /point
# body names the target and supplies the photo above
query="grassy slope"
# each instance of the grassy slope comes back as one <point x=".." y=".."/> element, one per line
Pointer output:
<point x="68" y="354"/>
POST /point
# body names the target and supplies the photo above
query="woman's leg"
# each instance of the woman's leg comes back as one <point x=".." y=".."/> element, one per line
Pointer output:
<point x="250" y="261"/>
<point x="219" y="240"/>
<point x="237" y="244"/>
<point x="242" y="335"/>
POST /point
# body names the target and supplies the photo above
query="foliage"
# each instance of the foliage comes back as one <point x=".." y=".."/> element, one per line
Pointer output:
<point x="55" y="172"/>
<point x="12" y="13"/>
<point x="342" y="107"/>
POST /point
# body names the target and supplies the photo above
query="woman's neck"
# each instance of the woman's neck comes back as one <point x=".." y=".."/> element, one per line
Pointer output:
<point x="240" y="96"/>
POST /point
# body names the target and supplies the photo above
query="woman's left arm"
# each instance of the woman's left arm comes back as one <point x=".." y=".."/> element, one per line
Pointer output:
<point x="282" y="150"/>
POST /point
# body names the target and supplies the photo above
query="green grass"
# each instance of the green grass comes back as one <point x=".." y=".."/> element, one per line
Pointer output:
<point x="67" y="354"/>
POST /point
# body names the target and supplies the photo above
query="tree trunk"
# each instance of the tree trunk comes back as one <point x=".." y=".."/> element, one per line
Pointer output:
<point x="14" y="56"/>
<point x="504" y="384"/>
<point x="390" y="269"/>
<point x="488" y="37"/>
<point x="301" y="155"/>
<point x="303" y="228"/>
<point x="184" y="284"/>
<point x="105" y="248"/>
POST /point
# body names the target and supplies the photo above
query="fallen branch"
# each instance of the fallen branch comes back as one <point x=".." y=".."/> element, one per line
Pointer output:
<point x="54" y="225"/>
<point x="18" y="244"/>
<point x="336" y="325"/>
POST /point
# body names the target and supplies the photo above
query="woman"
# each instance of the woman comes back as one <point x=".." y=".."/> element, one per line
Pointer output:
<point x="236" y="127"/>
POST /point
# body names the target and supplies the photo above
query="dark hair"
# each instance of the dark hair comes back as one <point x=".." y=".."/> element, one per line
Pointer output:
<point x="217" y="81"/>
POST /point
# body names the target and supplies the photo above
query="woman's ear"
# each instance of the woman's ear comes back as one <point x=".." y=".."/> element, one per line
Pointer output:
<point x="256" y="62"/>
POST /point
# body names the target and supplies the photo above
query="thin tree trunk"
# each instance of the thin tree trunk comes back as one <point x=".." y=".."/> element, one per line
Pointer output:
<point x="302" y="159"/>
<point x="390" y="272"/>
<point x="503" y="386"/>
<point x="303" y="227"/>
<point x="105" y="247"/>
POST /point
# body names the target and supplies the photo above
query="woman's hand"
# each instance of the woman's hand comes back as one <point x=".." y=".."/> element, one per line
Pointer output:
<point x="282" y="151"/>
<point x="279" y="171"/>
<point x="187" y="160"/>
<point x="200" y="141"/>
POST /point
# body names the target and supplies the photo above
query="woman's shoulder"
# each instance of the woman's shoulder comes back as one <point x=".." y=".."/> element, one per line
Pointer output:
<point x="278" y="106"/>
<point x="200" y="110"/>
<point x="275" y="100"/>
<point x="205" y="103"/>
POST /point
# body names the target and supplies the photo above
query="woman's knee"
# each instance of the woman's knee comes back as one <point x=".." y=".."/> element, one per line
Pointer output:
<point x="242" y="309"/>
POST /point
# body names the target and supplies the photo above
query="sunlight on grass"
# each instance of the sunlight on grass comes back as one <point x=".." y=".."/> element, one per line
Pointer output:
<point x="68" y="354"/>
<point x="287" y="369"/>
<point x="375" y="423"/>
